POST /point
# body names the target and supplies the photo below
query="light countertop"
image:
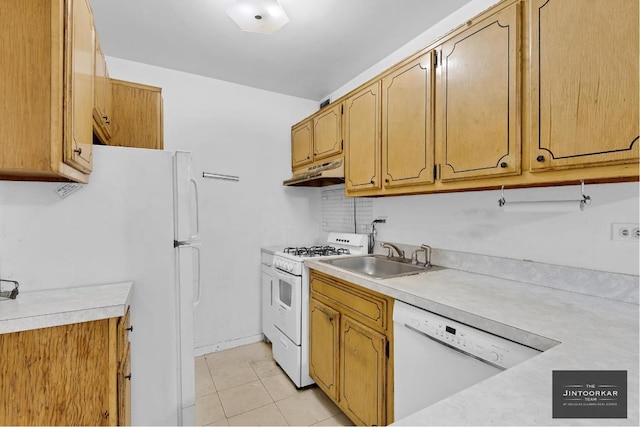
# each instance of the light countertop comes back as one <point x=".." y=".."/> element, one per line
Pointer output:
<point x="42" y="309"/>
<point x="576" y="332"/>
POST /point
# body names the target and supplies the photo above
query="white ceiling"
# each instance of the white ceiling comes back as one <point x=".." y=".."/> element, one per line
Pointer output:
<point x="326" y="43"/>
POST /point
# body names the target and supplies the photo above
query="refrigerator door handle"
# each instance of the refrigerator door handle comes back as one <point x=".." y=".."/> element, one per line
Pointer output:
<point x="198" y="292"/>
<point x="185" y="243"/>
<point x="197" y="207"/>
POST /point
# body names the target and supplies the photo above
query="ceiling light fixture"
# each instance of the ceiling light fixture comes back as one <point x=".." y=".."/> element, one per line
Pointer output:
<point x="258" y="16"/>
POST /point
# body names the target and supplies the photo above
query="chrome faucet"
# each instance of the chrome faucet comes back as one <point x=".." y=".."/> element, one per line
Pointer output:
<point x="426" y="249"/>
<point x="390" y="247"/>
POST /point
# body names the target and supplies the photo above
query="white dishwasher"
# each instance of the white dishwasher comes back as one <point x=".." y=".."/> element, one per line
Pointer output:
<point x="436" y="357"/>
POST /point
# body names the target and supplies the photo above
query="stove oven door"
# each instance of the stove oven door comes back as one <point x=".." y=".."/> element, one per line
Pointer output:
<point x="287" y="299"/>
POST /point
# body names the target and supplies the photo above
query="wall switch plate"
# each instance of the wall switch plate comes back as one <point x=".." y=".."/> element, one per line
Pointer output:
<point x="625" y="232"/>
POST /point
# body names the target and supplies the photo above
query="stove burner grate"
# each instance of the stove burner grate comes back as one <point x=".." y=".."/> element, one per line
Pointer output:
<point x="316" y="251"/>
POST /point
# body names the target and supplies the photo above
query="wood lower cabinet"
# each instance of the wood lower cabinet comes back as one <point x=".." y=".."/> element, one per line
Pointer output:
<point x="584" y="80"/>
<point x="363" y="372"/>
<point x="66" y="375"/>
<point x="137" y="115"/>
<point x="46" y="90"/>
<point x="478" y="99"/>
<point x="324" y="344"/>
<point x="350" y="357"/>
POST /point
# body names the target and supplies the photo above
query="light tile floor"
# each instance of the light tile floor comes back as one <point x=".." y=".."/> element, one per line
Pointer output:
<point x="244" y="386"/>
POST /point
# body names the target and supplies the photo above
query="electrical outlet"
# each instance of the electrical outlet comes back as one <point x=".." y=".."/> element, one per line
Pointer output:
<point x="625" y="232"/>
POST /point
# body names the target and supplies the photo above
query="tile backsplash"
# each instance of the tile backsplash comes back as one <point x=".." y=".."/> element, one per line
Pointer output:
<point x="346" y="215"/>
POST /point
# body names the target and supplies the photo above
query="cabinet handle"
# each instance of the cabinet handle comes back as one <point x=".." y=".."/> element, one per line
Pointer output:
<point x="386" y="180"/>
<point x="128" y="377"/>
<point x="503" y="165"/>
<point x="373" y="182"/>
<point x="540" y="158"/>
<point x="130" y="328"/>
<point x="106" y="119"/>
<point x="331" y="319"/>
<point x="78" y="151"/>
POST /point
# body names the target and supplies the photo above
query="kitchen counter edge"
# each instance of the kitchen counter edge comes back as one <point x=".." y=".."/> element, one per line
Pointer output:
<point x="57" y="307"/>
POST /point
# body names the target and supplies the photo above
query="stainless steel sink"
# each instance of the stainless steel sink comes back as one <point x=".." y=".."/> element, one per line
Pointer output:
<point x="379" y="267"/>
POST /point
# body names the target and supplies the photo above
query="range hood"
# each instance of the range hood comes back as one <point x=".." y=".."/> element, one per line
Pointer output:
<point x="329" y="173"/>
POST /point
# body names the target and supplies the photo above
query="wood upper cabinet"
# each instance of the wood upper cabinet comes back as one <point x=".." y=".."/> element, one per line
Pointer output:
<point x="584" y="83"/>
<point x="362" y="139"/>
<point x="327" y="132"/>
<point x="137" y="115"/>
<point x="46" y="90"/>
<point x="350" y="355"/>
<point x="407" y="124"/>
<point x="317" y="138"/>
<point x="302" y="144"/>
<point x="324" y="326"/>
<point x="102" y="99"/>
<point x="478" y="99"/>
<point x="65" y="375"/>
<point x="363" y="374"/>
<point x="79" y="91"/>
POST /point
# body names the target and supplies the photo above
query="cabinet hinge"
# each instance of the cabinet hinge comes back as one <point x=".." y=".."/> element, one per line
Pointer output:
<point x="435" y="172"/>
<point x="435" y="58"/>
<point x="342" y="144"/>
<point x="342" y="109"/>
<point x="387" y="349"/>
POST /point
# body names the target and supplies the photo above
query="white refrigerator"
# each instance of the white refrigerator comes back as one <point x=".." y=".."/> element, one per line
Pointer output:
<point x="135" y="221"/>
<point x="186" y="221"/>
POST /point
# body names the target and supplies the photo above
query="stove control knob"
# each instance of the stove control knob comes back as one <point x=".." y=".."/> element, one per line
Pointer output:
<point x="495" y="356"/>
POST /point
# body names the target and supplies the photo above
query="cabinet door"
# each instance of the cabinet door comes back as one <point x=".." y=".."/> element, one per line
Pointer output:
<point x="56" y="376"/>
<point x="407" y="124"/>
<point x="362" y="139"/>
<point x="124" y="390"/>
<point x="324" y="339"/>
<point x="301" y="144"/>
<point x="477" y="118"/>
<point x="79" y="57"/>
<point x="327" y="133"/>
<point x="102" y="97"/>
<point x="137" y="115"/>
<point x="363" y="373"/>
<point x="584" y="81"/>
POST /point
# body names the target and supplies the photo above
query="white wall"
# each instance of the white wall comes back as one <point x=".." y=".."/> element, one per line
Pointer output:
<point x="235" y="130"/>
<point x="472" y="222"/>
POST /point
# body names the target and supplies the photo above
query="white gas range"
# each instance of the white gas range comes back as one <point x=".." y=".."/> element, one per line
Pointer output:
<point x="290" y="296"/>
